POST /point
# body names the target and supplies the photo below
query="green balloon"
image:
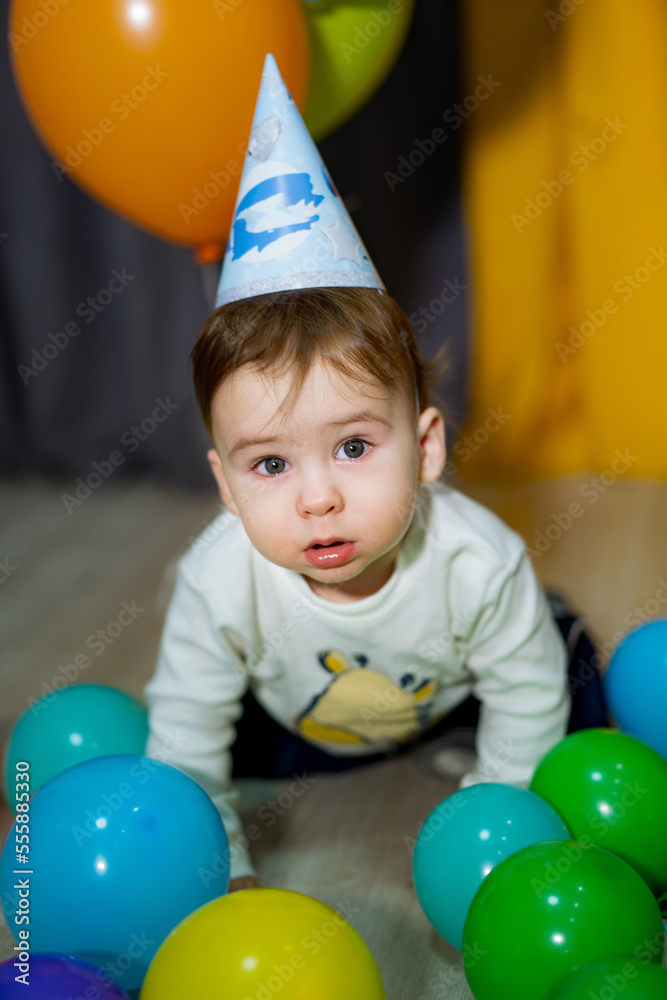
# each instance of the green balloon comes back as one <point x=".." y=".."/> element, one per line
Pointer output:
<point x="69" y="726"/>
<point x="611" y="790"/>
<point x="622" y="975"/>
<point x="353" y="47"/>
<point x="549" y="909"/>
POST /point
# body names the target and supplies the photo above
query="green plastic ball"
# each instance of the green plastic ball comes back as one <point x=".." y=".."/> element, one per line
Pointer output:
<point x="549" y="909"/>
<point x="623" y="976"/>
<point x="611" y="790"/>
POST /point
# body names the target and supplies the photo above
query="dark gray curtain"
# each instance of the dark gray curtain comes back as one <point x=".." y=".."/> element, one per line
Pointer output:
<point x="58" y="246"/>
<point x="414" y="227"/>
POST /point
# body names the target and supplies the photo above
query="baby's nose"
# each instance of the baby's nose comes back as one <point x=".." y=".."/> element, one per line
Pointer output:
<point x="320" y="498"/>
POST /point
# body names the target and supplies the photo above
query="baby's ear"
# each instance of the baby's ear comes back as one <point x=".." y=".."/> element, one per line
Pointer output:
<point x="432" y="444"/>
<point x="216" y="468"/>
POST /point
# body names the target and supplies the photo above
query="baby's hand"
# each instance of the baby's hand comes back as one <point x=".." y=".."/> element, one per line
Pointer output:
<point x="245" y="882"/>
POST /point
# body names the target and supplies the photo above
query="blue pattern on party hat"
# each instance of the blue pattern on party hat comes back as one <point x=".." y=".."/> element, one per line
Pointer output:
<point x="290" y="227"/>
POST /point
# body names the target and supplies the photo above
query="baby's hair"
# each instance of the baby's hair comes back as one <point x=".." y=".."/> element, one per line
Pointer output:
<point x="361" y="333"/>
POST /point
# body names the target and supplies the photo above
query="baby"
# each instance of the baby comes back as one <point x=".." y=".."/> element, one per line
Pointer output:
<point x="346" y="600"/>
<point x="358" y="605"/>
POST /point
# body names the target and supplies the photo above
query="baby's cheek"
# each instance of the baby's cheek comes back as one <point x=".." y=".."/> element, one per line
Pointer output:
<point x="260" y="501"/>
<point x="270" y="535"/>
<point x="399" y="505"/>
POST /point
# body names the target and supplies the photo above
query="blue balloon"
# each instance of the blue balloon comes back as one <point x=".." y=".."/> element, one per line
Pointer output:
<point x="72" y="725"/>
<point x="56" y="977"/>
<point x="467" y="835"/>
<point x="635" y="684"/>
<point x="122" y="848"/>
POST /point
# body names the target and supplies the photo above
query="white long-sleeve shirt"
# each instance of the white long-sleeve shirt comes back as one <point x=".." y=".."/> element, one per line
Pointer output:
<point x="462" y="612"/>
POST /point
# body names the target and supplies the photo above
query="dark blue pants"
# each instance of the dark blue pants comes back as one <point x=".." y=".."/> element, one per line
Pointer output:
<point x="265" y="749"/>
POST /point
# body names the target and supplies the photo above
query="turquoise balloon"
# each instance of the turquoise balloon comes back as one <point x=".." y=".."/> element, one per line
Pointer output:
<point x="622" y="976"/>
<point x="464" y="837"/>
<point x="121" y="850"/>
<point x="66" y="727"/>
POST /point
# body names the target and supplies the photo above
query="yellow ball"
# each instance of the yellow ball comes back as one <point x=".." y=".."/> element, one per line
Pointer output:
<point x="259" y="943"/>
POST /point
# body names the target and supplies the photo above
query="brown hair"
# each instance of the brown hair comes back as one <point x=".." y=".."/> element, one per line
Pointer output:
<point x="360" y="332"/>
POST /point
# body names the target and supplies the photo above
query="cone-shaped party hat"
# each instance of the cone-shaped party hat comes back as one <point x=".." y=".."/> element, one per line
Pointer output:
<point x="290" y="227"/>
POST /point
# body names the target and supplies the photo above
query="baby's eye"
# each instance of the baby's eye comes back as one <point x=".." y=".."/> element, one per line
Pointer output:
<point x="354" y="448"/>
<point x="272" y="466"/>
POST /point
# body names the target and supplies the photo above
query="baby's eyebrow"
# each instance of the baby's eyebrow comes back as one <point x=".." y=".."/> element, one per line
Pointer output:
<point x="362" y="416"/>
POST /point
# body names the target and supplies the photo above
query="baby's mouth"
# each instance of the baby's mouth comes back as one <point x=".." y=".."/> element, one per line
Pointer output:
<point x="333" y="553"/>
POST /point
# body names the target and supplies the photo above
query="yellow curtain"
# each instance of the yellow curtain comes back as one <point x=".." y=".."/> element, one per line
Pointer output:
<point x="566" y="197"/>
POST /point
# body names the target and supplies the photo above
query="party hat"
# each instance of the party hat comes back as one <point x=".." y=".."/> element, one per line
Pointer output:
<point x="290" y="227"/>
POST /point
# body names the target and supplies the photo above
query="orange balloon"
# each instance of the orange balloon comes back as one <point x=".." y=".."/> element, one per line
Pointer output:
<point x="147" y="104"/>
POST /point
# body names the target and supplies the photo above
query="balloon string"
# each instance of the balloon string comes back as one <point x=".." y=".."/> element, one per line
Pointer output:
<point x="210" y="276"/>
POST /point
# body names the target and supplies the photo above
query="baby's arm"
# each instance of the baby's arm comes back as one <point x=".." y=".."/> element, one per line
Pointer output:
<point x="518" y="659"/>
<point x="194" y="699"/>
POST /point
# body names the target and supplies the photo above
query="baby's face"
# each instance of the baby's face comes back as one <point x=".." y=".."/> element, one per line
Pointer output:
<point x="342" y="467"/>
